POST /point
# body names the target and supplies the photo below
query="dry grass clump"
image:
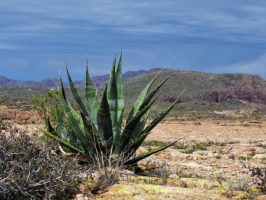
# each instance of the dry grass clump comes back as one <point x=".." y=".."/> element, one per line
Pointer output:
<point x="243" y="182"/>
<point x="29" y="170"/>
<point x="106" y="172"/>
<point x="157" y="168"/>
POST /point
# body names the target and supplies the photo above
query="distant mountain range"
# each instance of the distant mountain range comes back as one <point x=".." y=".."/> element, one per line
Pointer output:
<point x="198" y="85"/>
<point x="47" y="83"/>
<point x="53" y="82"/>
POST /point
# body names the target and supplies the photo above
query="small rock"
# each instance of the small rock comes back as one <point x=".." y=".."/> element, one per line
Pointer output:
<point x="251" y="149"/>
<point x="173" y="176"/>
<point x="260" y="156"/>
<point x="80" y="197"/>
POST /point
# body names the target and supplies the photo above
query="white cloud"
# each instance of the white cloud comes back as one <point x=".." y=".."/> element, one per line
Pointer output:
<point x="233" y="21"/>
<point x="189" y="33"/>
<point x="257" y="66"/>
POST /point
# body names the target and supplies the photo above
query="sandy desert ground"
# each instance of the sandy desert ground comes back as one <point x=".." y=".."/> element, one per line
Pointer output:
<point x="210" y="160"/>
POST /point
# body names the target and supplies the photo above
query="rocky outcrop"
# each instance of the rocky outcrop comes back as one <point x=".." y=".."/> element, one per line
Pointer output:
<point x="247" y="94"/>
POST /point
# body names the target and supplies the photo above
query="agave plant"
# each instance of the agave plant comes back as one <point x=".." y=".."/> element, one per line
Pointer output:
<point x="98" y="126"/>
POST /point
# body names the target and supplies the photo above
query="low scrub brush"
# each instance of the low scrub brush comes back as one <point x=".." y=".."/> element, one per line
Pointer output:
<point x="29" y="170"/>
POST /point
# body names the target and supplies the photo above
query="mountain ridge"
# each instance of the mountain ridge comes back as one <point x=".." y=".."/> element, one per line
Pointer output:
<point x="101" y="79"/>
<point x="53" y="82"/>
<point x="199" y="86"/>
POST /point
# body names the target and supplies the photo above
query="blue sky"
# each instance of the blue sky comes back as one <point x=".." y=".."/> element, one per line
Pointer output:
<point x="37" y="38"/>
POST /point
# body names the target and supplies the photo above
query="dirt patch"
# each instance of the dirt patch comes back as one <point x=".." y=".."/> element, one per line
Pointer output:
<point x="216" y="169"/>
<point x="209" y="130"/>
<point x="19" y="116"/>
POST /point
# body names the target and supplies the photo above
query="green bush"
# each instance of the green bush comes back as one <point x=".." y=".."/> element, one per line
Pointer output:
<point x="96" y="130"/>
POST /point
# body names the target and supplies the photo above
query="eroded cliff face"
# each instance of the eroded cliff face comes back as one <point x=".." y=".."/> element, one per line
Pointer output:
<point x="250" y="88"/>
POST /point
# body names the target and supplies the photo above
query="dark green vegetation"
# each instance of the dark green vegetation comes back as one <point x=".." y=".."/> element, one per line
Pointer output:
<point x="96" y="131"/>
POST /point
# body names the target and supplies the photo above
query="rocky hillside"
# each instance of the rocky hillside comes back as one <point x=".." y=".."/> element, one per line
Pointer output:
<point x="204" y="86"/>
<point x="197" y="85"/>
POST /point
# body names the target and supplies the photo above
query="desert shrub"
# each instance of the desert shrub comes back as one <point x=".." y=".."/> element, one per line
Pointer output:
<point x="44" y="105"/>
<point x="243" y="182"/>
<point x="259" y="174"/>
<point x="102" y="179"/>
<point x="158" y="168"/>
<point x="97" y="128"/>
<point x="34" y="170"/>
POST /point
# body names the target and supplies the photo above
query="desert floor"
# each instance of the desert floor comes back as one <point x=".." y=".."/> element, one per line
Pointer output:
<point x="211" y="159"/>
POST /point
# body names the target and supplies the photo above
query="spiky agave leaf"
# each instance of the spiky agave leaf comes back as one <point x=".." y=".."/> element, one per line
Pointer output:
<point x="140" y="99"/>
<point x="76" y="95"/>
<point x="63" y="142"/>
<point x="95" y="141"/>
<point x="145" y="132"/>
<point x="120" y="95"/>
<point x="104" y="120"/>
<point x="133" y="124"/>
<point x="48" y="125"/>
<point x="139" y="129"/>
<point x="97" y="127"/>
<point x="129" y="133"/>
<point x="75" y="122"/>
<point x="91" y="99"/>
<point x="112" y="101"/>
<point x="62" y="90"/>
<point x="114" y="86"/>
<point x="63" y="132"/>
<point x="158" y="119"/>
<point x="141" y="157"/>
<point x="151" y="94"/>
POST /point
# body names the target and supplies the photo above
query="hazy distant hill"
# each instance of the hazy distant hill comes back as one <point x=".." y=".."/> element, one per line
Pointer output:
<point x="198" y="85"/>
<point x="99" y="81"/>
<point x="47" y="83"/>
<point x="204" y="86"/>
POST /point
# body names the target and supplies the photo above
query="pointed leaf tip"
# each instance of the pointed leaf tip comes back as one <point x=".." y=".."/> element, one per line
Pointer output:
<point x="141" y="157"/>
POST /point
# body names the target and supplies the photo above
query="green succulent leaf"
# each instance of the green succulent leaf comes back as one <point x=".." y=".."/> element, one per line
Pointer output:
<point x="104" y="120"/>
<point x="112" y="100"/>
<point x="120" y="94"/>
<point x="94" y="140"/>
<point x="115" y="96"/>
<point x="76" y="124"/>
<point x="48" y="125"/>
<point x="96" y="127"/>
<point x="63" y="142"/>
<point x="76" y="95"/>
<point x="127" y="137"/>
<point x="161" y="116"/>
<point x="152" y="93"/>
<point x="140" y="127"/>
<point x="139" y="158"/>
<point x="62" y="90"/>
<point x="61" y="130"/>
<point x="91" y="99"/>
<point x="140" y="99"/>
